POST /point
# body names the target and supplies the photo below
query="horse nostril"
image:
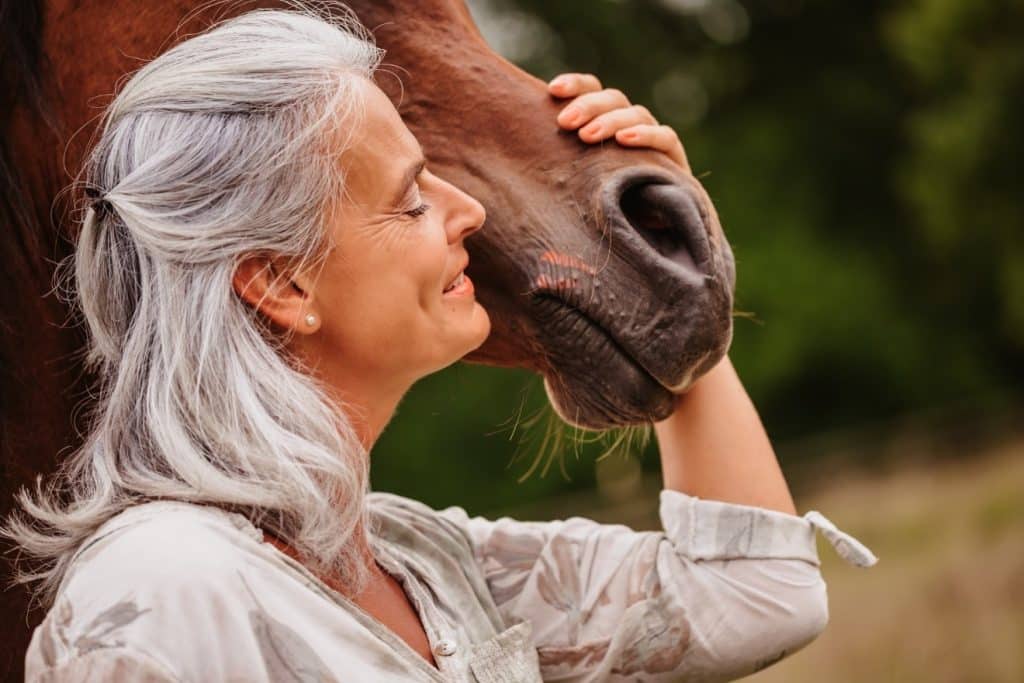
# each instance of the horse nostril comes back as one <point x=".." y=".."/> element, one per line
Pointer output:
<point x="668" y="217"/>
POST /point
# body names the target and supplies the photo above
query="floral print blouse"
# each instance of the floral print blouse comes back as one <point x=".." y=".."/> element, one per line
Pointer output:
<point x="173" y="591"/>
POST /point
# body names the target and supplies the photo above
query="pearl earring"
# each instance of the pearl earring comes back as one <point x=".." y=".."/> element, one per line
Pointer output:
<point x="311" y="320"/>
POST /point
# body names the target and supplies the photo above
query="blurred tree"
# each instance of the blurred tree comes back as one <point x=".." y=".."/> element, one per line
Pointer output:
<point x="960" y="177"/>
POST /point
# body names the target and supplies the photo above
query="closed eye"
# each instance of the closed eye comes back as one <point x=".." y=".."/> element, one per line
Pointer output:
<point x="419" y="210"/>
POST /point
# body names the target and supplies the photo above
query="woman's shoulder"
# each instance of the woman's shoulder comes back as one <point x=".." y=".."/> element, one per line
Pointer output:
<point x="172" y="540"/>
<point x="408" y="521"/>
<point x="153" y="575"/>
<point x="156" y="554"/>
<point x="390" y="508"/>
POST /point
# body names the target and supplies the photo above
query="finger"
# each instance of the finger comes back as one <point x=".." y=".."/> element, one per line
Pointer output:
<point x="660" y="137"/>
<point x="572" y="84"/>
<point x="591" y="104"/>
<point x="606" y="125"/>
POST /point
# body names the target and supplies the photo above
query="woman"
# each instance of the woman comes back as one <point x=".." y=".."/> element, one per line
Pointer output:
<point x="265" y="267"/>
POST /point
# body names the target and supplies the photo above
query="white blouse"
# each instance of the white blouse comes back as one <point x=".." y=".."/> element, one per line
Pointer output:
<point x="173" y="591"/>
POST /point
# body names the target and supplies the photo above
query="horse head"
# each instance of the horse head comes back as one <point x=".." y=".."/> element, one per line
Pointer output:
<point x="604" y="268"/>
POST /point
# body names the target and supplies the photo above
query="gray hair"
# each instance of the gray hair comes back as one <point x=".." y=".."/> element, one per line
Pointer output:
<point x="225" y="146"/>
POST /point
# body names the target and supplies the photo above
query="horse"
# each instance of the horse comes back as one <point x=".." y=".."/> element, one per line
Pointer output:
<point x="604" y="269"/>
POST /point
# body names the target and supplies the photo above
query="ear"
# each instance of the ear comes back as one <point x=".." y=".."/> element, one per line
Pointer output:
<point x="262" y="282"/>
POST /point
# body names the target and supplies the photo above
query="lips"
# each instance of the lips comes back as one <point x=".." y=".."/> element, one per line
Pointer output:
<point x="459" y="279"/>
<point x="451" y="278"/>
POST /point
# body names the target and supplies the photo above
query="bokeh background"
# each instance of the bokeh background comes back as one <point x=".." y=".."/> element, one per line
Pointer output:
<point x="865" y="158"/>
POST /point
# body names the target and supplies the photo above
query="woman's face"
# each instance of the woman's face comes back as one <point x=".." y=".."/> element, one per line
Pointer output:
<point x="384" y="318"/>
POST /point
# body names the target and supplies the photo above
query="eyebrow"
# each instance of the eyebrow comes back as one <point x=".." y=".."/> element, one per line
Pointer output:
<point x="407" y="180"/>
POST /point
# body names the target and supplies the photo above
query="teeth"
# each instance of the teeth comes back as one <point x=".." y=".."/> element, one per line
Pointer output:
<point x="455" y="283"/>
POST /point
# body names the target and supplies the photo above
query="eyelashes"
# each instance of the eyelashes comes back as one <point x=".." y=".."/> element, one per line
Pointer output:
<point x="423" y="206"/>
<point x="418" y="211"/>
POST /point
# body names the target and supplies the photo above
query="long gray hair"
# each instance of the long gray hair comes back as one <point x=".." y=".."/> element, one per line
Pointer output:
<point x="225" y="146"/>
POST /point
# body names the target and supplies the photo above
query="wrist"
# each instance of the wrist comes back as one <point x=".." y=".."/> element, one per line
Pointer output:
<point x="710" y="382"/>
<point x="719" y="373"/>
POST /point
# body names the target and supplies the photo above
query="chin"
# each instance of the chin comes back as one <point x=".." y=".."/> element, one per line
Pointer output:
<point x="482" y="326"/>
<point x="471" y="337"/>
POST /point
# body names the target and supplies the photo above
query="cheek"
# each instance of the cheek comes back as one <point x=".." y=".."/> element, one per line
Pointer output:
<point x="422" y="262"/>
<point x="376" y="291"/>
<point x="382" y="301"/>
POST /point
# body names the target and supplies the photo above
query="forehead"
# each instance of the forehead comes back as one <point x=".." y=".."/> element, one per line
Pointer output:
<point x="382" y="148"/>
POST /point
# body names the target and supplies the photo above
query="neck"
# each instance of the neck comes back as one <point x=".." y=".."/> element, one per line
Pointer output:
<point x="367" y="407"/>
<point x="367" y="400"/>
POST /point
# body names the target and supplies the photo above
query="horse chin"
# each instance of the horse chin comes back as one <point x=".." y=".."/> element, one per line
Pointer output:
<point x="604" y="387"/>
<point x="621" y="393"/>
<point x="602" y="373"/>
<point x="626" y="395"/>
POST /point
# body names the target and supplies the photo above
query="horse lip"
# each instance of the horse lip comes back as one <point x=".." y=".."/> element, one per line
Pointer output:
<point x="554" y="295"/>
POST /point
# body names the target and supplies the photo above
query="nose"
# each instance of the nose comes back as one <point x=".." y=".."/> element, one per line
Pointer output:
<point x="466" y="216"/>
<point x="666" y="214"/>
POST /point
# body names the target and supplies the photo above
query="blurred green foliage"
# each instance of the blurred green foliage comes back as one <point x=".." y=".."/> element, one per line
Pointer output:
<point x="864" y="160"/>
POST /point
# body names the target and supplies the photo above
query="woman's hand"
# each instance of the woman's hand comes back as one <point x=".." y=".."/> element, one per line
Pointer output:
<point x="607" y="112"/>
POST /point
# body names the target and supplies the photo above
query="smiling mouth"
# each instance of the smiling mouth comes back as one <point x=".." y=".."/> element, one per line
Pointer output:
<point x="459" y="279"/>
<point x="460" y="286"/>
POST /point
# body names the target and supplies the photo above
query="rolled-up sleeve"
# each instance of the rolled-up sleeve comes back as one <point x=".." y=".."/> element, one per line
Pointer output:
<point x="722" y="591"/>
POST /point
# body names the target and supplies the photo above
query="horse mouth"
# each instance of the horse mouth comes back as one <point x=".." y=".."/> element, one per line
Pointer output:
<point x="609" y="365"/>
<point x="592" y="380"/>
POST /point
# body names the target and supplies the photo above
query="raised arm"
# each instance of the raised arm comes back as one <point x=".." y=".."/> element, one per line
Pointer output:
<point x="729" y="585"/>
<point x="714" y="446"/>
<point x="721" y="591"/>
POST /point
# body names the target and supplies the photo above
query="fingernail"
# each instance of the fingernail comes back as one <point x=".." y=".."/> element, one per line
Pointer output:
<point x="571" y="115"/>
<point x="629" y="136"/>
<point x="591" y="129"/>
<point x="558" y="82"/>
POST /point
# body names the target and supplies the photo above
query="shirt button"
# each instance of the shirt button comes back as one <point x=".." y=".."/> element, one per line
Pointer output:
<point x="444" y="647"/>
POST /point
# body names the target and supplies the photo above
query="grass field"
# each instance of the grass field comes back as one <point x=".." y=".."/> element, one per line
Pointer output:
<point x="945" y="603"/>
